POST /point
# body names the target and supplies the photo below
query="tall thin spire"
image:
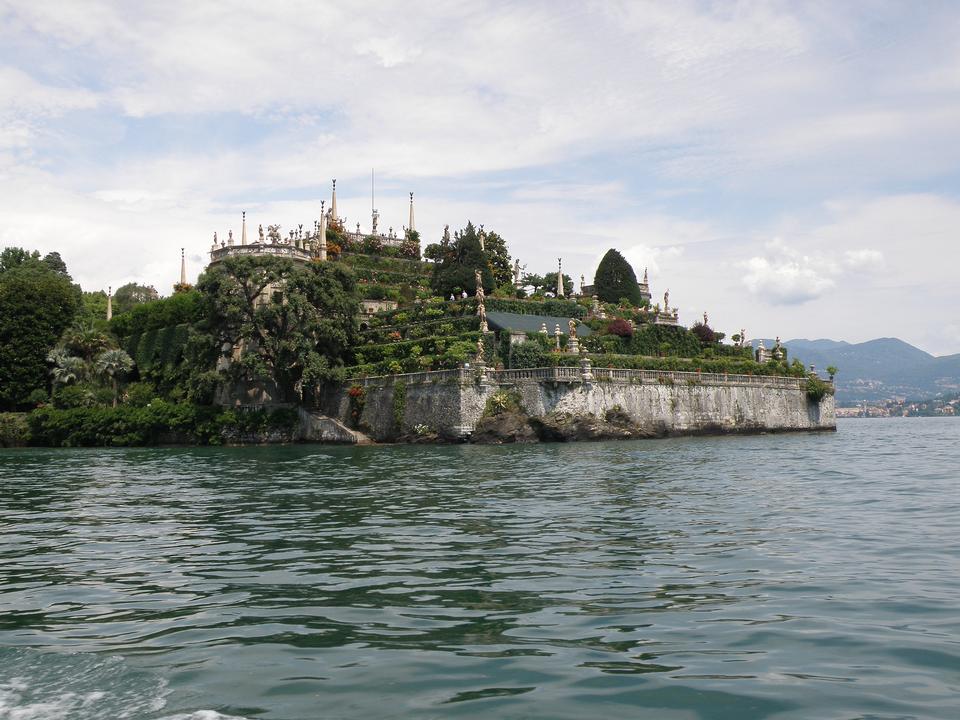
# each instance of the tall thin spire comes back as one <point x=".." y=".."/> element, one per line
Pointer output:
<point x="411" y="226"/>
<point x="322" y="240"/>
<point x="333" y="202"/>
<point x="109" y="302"/>
<point x="243" y="235"/>
<point x="183" y="267"/>
<point x="373" y="205"/>
<point x="559" y="277"/>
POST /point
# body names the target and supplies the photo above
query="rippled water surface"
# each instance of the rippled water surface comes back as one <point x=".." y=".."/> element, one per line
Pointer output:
<point x="791" y="576"/>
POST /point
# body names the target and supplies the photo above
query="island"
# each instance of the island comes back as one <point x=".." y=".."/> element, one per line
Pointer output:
<point x="337" y="334"/>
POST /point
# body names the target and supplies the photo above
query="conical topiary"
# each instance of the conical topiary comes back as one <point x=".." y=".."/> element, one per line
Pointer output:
<point x="615" y="279"/>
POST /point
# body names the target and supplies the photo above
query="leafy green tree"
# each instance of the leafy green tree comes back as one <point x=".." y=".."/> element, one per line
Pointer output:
<point x="538" y="282"/>
<point x="93" y="308"/>
<point x="14" y="257"/>
<point x="113" y="365"/>
<point x="129" y="295"/>
<point x="36" y="305"/>
<point x="53" y="261"/>
<point x="615" y="279"/>
<point x="498" y="257"/>
<point x="293" y="323"/>
<point x="460" y="259"/>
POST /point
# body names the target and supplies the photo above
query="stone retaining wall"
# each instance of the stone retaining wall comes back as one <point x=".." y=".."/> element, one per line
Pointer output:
<point x="449" y="404"/>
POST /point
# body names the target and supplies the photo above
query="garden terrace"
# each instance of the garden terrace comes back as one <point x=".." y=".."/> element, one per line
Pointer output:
<point x="551" y="307"/>
<point x="442" y="326"/>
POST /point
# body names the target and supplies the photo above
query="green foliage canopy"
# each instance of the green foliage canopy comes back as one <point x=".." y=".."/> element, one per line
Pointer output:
<point x="457" y="262"/>
<point x="615" y="279"/>
<point x="36" y="305"/>
<point x="131" y="294"/>
<point x="294" y="322"/>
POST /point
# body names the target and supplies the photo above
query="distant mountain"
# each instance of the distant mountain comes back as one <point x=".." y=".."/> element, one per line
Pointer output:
<point x="880" y="369"/>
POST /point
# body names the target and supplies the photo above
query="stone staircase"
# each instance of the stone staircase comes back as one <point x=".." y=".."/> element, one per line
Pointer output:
<point x="315" y="427"/>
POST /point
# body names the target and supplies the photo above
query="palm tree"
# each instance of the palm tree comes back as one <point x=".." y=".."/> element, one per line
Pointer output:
<point x="114" y="364"/>
<point x="86" y="340"/>
<point x="66" y="368"/>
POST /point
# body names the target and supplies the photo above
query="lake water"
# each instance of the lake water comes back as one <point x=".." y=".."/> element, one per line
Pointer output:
<point x="787" y="576"/>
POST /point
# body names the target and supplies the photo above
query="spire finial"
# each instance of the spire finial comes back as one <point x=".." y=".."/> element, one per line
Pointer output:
<point x="109" y="302"/>
<point x="559" y="277"/>
<point x="243" y="234"/>
<point x="183" y="267"/>
<point x="411" y="226"/>
<point x="333" y="202"/>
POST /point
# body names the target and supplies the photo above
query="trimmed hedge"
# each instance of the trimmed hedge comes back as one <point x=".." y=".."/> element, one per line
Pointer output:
<point x="556" y="308"/>
<point x="155" y="349"/>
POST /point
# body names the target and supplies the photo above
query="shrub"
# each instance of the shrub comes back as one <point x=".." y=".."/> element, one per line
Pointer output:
<point x="14" y="430"/>
<point x="527" y="355"/>
<point x="817" y="389"/>
<point x="620" y="327"/>
<point x="139" y="394"/>
<point x="38" y="397"/>
<point x="704" y="334"/>
<point x="74" y="396"/>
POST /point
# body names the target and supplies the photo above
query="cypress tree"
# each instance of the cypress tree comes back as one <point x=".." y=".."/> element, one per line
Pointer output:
<point x="615" y="279"/>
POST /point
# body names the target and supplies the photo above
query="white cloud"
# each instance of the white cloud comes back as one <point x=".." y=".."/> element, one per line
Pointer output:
<point x="679" y="133"/>
<point x="863" y="259"/>
<point x="785" y="280"/>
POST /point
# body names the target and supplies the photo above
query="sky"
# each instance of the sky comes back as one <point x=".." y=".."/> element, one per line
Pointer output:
<point x="790" y="168"/>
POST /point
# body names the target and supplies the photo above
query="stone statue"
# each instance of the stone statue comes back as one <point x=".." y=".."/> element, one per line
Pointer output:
<point x="214" y="237"/>
<point x="645" y="282"/>
<point x="743" y="337"/>
<point x="516" y="272"/>
<point x="705" y="318"/>
<point x="273" y="233"/>
<point x="666" y="301"/>
<point x="260" y="229"/>
<point x="446" y="234"/>
<point x="230" y="237"/>
<point x="572" y="329"/>
<point x="479" y="280"/>
<point x="479" y="349"/>
<point x="376" y="219"/>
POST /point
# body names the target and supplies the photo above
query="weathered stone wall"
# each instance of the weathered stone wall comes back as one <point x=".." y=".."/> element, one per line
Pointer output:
<point x="442" y="406"/>
<point x="450" y="404"/>
<point x="683" y="408"/>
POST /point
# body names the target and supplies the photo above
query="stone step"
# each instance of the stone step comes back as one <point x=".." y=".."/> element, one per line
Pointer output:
<point x="315" y="427"/>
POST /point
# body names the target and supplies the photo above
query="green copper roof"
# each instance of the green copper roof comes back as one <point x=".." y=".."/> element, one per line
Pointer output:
<point x="532" y="323"/>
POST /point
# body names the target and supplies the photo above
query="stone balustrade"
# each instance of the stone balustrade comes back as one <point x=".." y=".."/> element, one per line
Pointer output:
<point x="599" y="374"/>
<point x="288" y="251"/>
